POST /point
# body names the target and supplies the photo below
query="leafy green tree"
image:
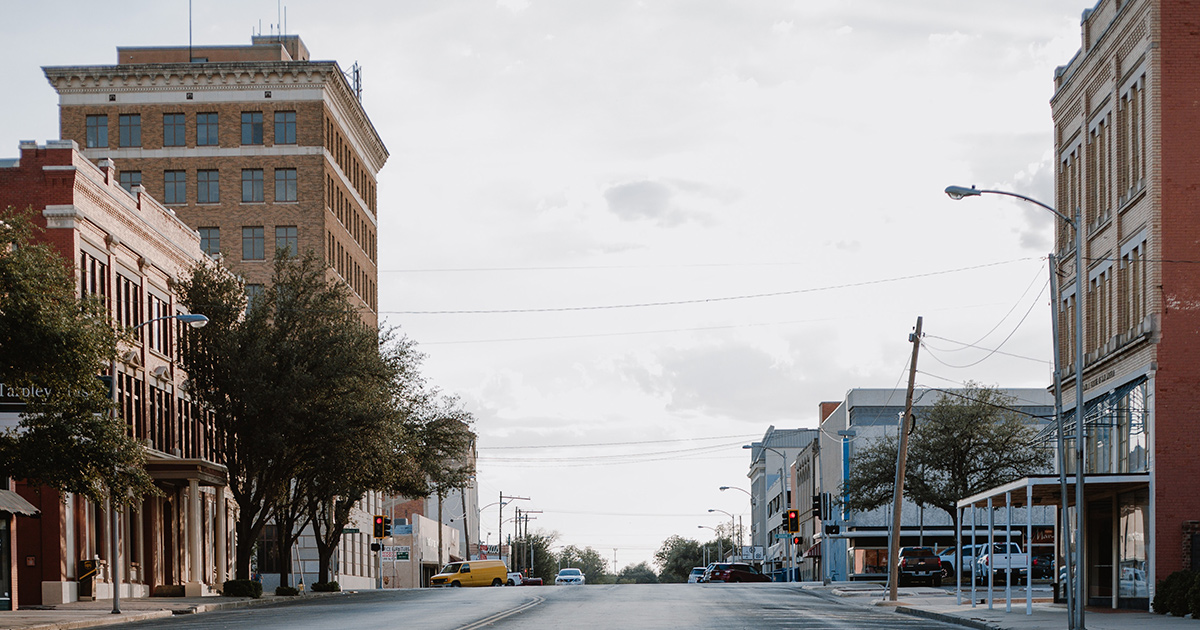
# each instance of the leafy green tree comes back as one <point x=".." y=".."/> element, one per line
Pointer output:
<point x="639" y="573"/>
<point x="966" y="442"/>
<point x="52" y="346"/>
<point x="587" y="560"/>
<point x="676" y="558"/>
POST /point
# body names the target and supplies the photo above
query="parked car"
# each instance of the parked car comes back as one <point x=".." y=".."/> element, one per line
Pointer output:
<point x="948" y="558"/>
<point x="733" y="572"/>
<point x="532" y="581"/>
<point x="515" y="578"/>
<point x="569" y="577"/>
<point x="919" y="564"/>
<point x="473" y="573"/>
<point x="695" y="575"/>
<point x="1043" y="566"/>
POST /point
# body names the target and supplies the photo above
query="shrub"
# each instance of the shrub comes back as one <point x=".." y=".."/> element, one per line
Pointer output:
<point x="242" y="588"/>
<point x="286" y="591"/>
<point x="326" y="587"/>
<point x="1193" y="598"/>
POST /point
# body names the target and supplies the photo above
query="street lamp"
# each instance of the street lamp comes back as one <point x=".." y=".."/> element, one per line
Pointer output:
<point x="740" y="533"/>
<point x="195" y="320"/>
<point x="720" y="545"/>
<point x="1074" y="579"/>
<point x="787" y="542"/>
<point x="732" y="530"/>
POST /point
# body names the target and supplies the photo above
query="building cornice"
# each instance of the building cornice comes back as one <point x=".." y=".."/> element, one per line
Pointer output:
<point x="198" y="77"/>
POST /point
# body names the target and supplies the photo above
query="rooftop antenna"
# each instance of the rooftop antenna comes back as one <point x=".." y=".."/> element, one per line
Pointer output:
<point x="278" y="15"/>
<point x="285" y="21"/>
<point x="190" y="56"/>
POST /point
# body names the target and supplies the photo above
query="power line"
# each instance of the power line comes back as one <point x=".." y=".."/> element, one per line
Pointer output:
<point x="717" y="437"/>
<point x="993" y="350"/>
<point x="706" y="300"/>
<point x="1006" y="339"/>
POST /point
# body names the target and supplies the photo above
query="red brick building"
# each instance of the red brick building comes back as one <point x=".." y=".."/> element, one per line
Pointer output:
<point x="1127" y="137"/>
<point x="128" y="249"/>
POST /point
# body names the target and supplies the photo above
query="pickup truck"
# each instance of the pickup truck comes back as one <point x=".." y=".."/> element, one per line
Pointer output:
<point x="1005" y="562"/>
<point x="949" y="559"/>
<point x="919" y="563"/>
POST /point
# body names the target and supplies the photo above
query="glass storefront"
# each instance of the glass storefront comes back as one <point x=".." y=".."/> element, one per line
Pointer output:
<point x="1133" y="536"/>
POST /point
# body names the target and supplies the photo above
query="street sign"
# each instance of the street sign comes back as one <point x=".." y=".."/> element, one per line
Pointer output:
<point x="350" y="530"/>
<point x="785" y="535"/>
<point x="402" y="552"/>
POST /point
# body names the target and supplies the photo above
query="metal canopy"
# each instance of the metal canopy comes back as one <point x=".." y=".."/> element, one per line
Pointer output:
<point x="1046" y="490"/>
<point x="13" y="503"/>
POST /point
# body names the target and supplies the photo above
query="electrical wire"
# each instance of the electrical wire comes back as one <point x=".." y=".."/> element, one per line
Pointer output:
<point x="706" y="300"/>
<point x="532" y="446"/>
<point x="1016" y="303"/>
<point x="993" y="350"/>
<point x="1006" y="339"/>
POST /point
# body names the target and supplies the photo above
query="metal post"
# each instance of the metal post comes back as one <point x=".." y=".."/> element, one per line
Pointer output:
<point x="1008" y="552"/>
<point x="113" y="568"/>
<point x="1080" y="400"/>
<point x="1064" y="493"/>
<point x="958" y="559"/>
<point x="974" y="556"/>
<point x="1029" y="548"/>
<point x="991" y="547"/>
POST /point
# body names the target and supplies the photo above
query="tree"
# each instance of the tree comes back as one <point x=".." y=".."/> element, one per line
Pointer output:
<point x="52" y="346"/>
<point x="587" y="560"/>
<point x="968" y="441"/>
<point x="639" y="573"/>
<point x="676" y="557"/>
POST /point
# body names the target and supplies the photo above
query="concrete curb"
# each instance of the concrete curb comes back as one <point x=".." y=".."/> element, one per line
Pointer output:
<point x="954" y="619"/>
<point x="101" y="621"/>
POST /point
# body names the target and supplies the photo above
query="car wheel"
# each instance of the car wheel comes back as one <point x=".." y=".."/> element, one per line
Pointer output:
<point x="510" y="583"/>
<point x="455" y="584"/>
<point x="497" y="582"/>
<point x="946" y="570"/>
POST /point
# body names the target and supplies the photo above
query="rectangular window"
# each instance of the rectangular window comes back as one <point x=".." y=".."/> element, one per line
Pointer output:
<point x="285" y="127"/>
<point x="253" y="293"/>
<point x="208" y="188"/>
<point x="173" y="130"/>
<point x="285" y="239"/>
<point x="130" y="126"/>
<point x="252" y="243"/>
<point x="159" y="331"/>
<point x="285" y="184"/>
<point x="97" y="131"/>
<point x="206" y="130"/>
<point x="174" y="186"/>
<point x="252" y="128"/>
<point x="210" y="240"/>
<point x="252" y="185"/>
<point x="129" y="179"/>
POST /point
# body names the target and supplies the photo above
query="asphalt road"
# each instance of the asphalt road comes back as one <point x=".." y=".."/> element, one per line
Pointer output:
<point x="626" y="607"/>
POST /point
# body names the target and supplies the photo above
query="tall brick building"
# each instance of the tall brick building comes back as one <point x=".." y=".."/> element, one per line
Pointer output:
<point x="258" y="148"/>
<point x="127" y="249"/>
<point x="1127" y="137"/>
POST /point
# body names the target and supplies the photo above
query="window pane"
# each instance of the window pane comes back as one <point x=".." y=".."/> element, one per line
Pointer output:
<point x="252" y="128"/>
<point x="252" y="243"/>
<point x="210" y="240"/>
<point x="208" y="190"/>
<point x="173" y="130"/>
<point x="285" y="184"/>
<point x="131" y="130"/>
<point x="97" y="131"/>
<point x="285" y="127"/>
<point x="252" y="185"/>
<point x="129" y="179"/>
<point x="285" y="239"/>
<point x="206" y="129"/>
<point x="175" y="187"/>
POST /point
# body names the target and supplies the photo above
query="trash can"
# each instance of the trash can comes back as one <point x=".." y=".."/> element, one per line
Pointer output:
<point x="87" y="574"/>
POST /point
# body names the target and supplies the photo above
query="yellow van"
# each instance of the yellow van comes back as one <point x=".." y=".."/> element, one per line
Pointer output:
<point x="473" y="573"/>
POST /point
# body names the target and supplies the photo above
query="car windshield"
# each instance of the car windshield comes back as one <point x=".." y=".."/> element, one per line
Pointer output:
<point x="453" y="567"/>
<point x="697" y="570"/>
<point x="570" y="572"/>
<point x="909" y="552"/>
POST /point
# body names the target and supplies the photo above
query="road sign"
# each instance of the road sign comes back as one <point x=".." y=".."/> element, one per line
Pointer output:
<point x="350" y="530"/>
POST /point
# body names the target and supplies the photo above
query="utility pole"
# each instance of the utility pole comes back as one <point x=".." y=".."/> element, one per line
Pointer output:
<point x="500" y="523"/>
<point x="902" y="460"/>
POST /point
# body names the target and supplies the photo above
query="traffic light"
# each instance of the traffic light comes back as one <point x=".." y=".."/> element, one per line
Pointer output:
<point x="796" y="540"/>
<point x="793" y="521"/>
<point x="387" y="526"/>
<point x="379" y="520"/>
<point x="816" y="506"/>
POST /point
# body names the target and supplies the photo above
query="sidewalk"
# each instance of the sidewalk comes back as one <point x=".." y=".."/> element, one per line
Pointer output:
<point x="941" y="605"/>
<point x="99" y="613"/>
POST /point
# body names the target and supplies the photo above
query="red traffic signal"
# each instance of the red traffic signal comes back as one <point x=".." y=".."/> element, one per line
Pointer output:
<point x="793" y="521"/>
<point x="379" y="527"/>
<point x="796" y="540"/>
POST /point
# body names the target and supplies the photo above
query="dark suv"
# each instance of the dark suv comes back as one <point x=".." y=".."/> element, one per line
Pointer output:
<point x="733" y="572"/>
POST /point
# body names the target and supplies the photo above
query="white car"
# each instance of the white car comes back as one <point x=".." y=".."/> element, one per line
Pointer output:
<point x="569" y="576"/>
<point x="695" y="575"/>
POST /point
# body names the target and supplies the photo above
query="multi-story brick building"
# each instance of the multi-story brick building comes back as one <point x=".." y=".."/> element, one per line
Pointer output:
<point x="1127" y="137"/>
<point x="127" y="249"/>
<point x="258" y="148"/>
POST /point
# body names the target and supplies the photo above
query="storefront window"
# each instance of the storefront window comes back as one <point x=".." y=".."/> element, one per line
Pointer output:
<point x="1133" y="541"/>
<point x="1131" y="429"/>
<point x="870" y="561"/>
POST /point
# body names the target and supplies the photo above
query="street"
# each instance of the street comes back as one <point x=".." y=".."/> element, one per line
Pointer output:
<point x="626" y="606"/>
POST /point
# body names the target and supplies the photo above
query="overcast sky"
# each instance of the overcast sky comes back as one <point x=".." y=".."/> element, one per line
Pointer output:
<point x="673" y="223"/>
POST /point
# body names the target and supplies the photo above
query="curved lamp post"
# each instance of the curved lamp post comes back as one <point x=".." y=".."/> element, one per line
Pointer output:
<point x="732" y="530"/>
<point x="1075" y="597"/>
<point x="787" y="542"/>
<point x="195" y="320"/>
<point x="720" y="545"/>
